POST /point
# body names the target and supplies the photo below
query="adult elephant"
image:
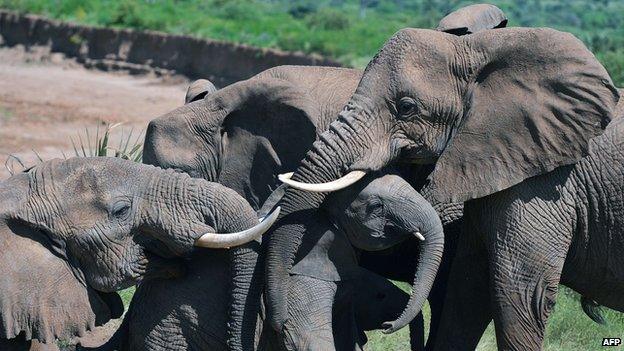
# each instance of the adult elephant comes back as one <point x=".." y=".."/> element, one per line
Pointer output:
<point x="491" y="110"/>
<point x="73" y="232"/>
<point x="244" y="135"/>
<point x="277" y="113"/>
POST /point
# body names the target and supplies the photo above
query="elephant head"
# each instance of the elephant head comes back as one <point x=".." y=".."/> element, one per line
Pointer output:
<point x="245" y="134"/>
<point x="380" y="212"/>
<point x="490" y="109"/>
<point x="74" y="231"/>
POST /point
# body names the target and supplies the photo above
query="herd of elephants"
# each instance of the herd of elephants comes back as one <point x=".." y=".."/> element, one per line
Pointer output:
<point x="481" y="164"/>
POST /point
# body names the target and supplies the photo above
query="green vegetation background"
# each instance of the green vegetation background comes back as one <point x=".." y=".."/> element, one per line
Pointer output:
<point x="352" y="31"/>
<point x="348" y="30"/>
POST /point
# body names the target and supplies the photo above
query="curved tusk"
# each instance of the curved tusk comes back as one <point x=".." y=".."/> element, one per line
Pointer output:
<point x="335" y="185"/>
<point x="224" y="241"/>
<point x="419" y="236"/>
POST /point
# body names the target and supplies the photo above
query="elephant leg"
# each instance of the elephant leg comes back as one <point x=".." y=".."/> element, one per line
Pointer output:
<point x="466" y="312"/>
<point x="524" y="280"/>
<point x="348" y="334"/>
<point x="417" y="333"/>
<point x="378" y="300"/>
<point x="309" y="323"/>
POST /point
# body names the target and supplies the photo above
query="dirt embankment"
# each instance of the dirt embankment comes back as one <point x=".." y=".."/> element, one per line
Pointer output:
<point x="137" y="51"/>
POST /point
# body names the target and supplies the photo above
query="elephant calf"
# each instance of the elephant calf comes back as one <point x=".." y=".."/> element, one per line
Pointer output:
<point x="376" y="214"/>
<point x="73" y="232"/>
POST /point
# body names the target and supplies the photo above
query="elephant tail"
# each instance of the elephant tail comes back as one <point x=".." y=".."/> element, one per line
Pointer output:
<point x="592" y="310"/>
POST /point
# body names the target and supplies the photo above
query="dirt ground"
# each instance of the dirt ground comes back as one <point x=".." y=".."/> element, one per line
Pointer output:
<point x="46" y="99"/>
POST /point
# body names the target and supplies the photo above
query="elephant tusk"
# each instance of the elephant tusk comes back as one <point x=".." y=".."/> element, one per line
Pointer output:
<point x="419" y="236"/>
<point x="334" y="185"/>
<point x="224" y="241"/>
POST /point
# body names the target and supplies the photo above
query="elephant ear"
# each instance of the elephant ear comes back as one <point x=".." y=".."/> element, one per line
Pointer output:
<point x="40" y="294"/>
<point x="473" y="19"/>
<point x="535" y="98"/>
<point x="198" y="90"/>
<point x="326" y="253"/>
<point x="266" y="133"/>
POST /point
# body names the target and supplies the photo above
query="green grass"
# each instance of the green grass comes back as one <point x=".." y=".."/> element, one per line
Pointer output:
<point x="5" y="114"/>
<point x="129" y="147"/>
<point x="342" y="29"/>
<point x="126" y="296"/>
<point x="568" y="329"/>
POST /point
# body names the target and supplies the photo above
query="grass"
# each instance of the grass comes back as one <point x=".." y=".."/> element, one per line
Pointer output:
<point x="5" y="114"/>
<point x="568" y="329"/>
<point x="126" y="296"/>
<point x="129" y="148"/>
<point x="350" y="31"/>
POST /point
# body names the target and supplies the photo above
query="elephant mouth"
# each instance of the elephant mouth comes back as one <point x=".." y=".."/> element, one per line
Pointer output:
<point x="415" y="154"/>
<point x="163" y="268"/>
<point x="159" y="261"/>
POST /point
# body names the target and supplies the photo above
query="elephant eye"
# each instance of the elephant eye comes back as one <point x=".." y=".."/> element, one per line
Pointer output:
<point x="121" y="209"/>
<point x="406" y="107"/>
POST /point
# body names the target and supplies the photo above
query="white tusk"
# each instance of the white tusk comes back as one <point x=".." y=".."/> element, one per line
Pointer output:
<point x="224" y="241"/>
<point x="419" y="236"/>
<point x="334" y="185"/>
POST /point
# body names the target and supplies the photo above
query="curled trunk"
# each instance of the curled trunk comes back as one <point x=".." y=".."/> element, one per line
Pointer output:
<point x="429" y="258"/>
<point x="234" y="215"/>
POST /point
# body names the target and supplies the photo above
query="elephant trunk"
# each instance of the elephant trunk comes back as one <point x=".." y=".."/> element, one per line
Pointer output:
<point x="246" y="272"/>
<point x="328" y="159"/>
<point x="429" y="257"/>
<point x="246" y="291"/>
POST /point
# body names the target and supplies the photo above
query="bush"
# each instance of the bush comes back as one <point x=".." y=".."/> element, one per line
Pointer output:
<point x="328" y="19"/>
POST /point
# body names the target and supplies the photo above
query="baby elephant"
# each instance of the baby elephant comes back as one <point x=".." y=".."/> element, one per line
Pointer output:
<point x="373" y="215"/>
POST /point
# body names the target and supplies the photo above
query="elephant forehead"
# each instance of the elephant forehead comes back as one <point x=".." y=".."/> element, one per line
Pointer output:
<point x="387" y="187"/>
<point x="83" y="182"/>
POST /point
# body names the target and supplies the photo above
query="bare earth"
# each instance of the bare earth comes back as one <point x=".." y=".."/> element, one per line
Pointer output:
<point x="46" y="98"/>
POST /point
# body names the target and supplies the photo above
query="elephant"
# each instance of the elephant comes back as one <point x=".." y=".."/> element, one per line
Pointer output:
<point x="495" y="113"/>
<point x="241" y="136"/>
<point x="72" y="232"/>
<point x="378" y="214"/>
<point x="244" y="135"/>
<point x="222" y="140"/>
<point x="191" y="315"/>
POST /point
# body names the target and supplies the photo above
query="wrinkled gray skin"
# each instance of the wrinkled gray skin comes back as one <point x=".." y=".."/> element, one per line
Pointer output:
<point x="226" y="143"/>
<point x="239" y="146"/>
<point x="375" y="215"/>
<point x="380" y="214"/>
<point x="73" y="232"/>
<point x="247" y="133"/>
<point x="491" y="110"/>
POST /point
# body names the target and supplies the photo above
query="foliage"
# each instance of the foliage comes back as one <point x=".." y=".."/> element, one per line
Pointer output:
<point x="348" y="30"/>
<point x="127" y="149"/>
